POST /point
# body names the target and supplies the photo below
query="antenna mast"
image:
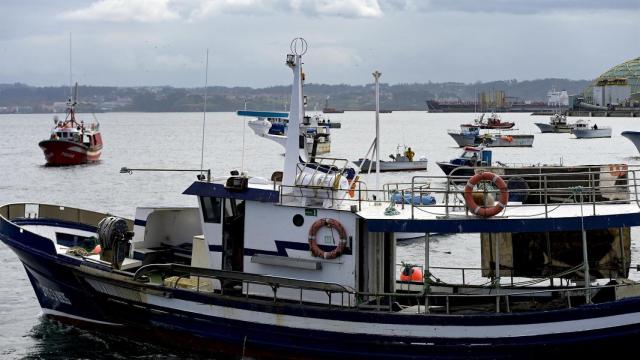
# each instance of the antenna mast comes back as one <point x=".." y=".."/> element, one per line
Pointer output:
<point x="376" y="76"/>
<point x="70" y="73"/>
<point x="204" y="111"/>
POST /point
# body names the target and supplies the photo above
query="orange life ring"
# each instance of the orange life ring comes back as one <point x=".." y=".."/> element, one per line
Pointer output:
<point x="618" y="170"/>
<point x="507" y="138"/>
<point x="486" y="211"/>
<point x="313" y="244"/>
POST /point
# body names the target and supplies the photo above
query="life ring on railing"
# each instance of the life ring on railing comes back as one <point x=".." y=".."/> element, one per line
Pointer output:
<point x="486" y="211"/>
<point x="619" y="170"/>
<point x="507" y="138"/>
<point x="313" y="244"/>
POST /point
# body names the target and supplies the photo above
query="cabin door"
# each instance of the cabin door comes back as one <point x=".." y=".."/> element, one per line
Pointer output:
<point x="376" y="262"/>
<point x="233" y="235"/>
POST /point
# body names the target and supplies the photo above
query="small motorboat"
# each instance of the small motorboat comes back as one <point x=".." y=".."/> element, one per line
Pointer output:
<point x="492" y="122"/>
<point x="470" y="136"/>
<point x="71" y="142"/>
<point x="401" y="161"/>
<point x="470" y="158"/>
<point x="557" y="124"/>
<point x="582" y="130"/>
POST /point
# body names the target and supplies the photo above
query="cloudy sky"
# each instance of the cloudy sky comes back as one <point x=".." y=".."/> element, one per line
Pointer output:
<point x="163" y="42"/>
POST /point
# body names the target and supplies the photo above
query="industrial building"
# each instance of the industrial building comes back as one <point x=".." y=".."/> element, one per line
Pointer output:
<point x="618" y="86"/>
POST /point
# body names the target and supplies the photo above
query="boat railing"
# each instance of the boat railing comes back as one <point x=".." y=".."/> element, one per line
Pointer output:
<point x="246" y="279"/>
<point x="550" y="190"/>
<point x="325" y="167"/>
<point x="464" y="276"/>
<point x="590" y="187"/>
<point x="425" y="299"/>
<point x="53" y="212"/>
<point x="499" y="300"/>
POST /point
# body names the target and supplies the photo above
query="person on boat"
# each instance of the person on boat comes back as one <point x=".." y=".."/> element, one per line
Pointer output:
<point x="595" y="126"/>
<point x="409" y="154"/>
<point x="474" y="160"/>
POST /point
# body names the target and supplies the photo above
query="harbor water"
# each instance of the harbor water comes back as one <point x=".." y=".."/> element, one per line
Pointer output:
<point x="174" y="140"/>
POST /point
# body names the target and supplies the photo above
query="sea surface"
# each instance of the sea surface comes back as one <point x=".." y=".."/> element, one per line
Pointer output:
<point x="173" y="140"/>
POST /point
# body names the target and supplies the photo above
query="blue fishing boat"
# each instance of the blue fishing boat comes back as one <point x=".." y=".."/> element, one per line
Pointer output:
<point x="304" y="265"/>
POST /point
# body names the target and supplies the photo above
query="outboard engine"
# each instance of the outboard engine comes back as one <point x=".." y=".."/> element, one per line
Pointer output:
<point x="114" y="237"/>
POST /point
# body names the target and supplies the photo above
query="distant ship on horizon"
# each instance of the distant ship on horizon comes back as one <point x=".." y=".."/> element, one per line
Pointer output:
<point x="495" y="102"/>
<point x="330" y="110"/>
<point x="469" y="107"/>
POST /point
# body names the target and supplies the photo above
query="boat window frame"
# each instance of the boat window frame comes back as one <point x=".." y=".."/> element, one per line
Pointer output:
<point x="211" y="209"/>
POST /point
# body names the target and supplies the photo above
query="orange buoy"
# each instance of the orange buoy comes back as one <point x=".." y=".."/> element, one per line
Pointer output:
<point x="411" y="273"/>
<point x="96" y="250"/>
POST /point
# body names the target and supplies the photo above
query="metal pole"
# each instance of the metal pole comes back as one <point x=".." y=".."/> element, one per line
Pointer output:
<point x="585" y="258"/>
<point x="204" y="111"/>
<point x="70" y="71"/>
<point x="497" y="280"/>
<point x="426" y="262"/>
<point x="376" y="76"/>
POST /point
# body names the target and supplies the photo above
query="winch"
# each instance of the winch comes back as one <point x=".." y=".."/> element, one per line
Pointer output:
<point x="114" y="236"/>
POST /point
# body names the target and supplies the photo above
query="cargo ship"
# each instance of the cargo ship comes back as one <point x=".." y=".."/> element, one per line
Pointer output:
<point x="436" y="106"/>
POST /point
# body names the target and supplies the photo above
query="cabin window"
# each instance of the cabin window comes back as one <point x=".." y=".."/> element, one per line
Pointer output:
<point x="211" y="209"/>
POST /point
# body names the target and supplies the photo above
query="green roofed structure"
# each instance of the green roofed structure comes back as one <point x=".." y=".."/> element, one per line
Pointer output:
<point x="619" y="85"/>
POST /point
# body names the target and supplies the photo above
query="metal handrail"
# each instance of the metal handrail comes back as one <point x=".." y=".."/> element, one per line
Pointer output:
<point x="551" y="190"/>
<point x="242" y="276"/>
<point x="363" y="298"/>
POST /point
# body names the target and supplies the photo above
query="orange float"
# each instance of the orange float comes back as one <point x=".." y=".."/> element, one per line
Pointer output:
<point x="411" y="273"/>
<point x="481" y="210"/>
<point x="313" y="244"/>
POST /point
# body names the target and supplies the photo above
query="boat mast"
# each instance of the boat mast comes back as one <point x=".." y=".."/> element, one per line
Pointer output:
<point x="376" y="75"/>
<point x="204" y="110"/>
<point x="294" y="146"/>
<point x="70" y="73"/>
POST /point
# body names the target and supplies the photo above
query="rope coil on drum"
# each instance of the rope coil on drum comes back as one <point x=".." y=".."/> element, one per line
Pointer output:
<point x="483" y="211"/>
<point x="313" y="243"/>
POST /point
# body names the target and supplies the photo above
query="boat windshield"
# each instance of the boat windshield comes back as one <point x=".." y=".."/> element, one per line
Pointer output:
<point x="469" y="154"/>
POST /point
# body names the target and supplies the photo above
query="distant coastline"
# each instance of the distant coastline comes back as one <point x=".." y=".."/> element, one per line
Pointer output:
<point x="22" y="98"/>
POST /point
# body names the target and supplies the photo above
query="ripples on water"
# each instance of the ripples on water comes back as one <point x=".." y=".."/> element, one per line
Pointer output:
<point x="172" y="140"/>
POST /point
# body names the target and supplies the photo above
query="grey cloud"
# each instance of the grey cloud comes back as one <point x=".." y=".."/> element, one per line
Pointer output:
<point x="508" y="6"/>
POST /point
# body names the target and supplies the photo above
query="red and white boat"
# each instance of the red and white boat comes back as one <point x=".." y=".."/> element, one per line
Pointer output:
<point x="71" y="142"/>
<point x="492" y="122"/>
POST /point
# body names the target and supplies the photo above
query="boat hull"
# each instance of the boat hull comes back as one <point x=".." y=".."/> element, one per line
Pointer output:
<point x="389" y="166"/>
<point x="448" y="168"/>
<point x="634" y="137"/>
<point x="548" y="128"/>
<point x="592" y="133"/>
<point x="62" y="152"/>
<point x="94" y="296"/>
<point x="463" y="139"/>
